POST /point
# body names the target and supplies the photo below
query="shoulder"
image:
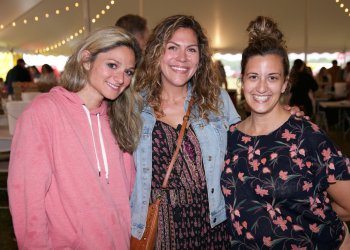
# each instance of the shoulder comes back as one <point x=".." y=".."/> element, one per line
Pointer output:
<point x="308" y="132"/>
<point x="43" y="106"/>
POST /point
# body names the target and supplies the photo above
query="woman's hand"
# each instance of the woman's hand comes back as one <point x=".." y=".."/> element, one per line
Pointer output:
<point x="295" y="110"/>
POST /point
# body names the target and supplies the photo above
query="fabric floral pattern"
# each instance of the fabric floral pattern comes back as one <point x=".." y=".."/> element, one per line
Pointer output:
<point x="275" y="188"/>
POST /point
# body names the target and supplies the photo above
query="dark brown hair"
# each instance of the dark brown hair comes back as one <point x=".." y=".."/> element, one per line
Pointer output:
<point x="265" y="39"/>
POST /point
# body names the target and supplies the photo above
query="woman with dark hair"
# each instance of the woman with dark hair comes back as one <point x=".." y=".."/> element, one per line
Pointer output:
<point x="71" y="171"/>
<point x="47" y="75"/>
<point x="303" y="88"/>
<point x="284" y="180"/>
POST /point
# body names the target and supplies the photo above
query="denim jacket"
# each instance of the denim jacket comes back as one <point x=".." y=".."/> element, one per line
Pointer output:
<point x="212" y="138"/>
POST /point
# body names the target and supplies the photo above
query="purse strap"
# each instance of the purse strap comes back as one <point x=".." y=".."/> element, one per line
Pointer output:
<point x="179" y="142"/>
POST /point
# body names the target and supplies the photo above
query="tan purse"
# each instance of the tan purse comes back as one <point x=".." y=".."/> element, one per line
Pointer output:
<point x="148" y="240"/>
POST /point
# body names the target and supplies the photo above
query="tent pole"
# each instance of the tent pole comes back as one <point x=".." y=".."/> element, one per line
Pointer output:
<point x="141" y="8"/>
<point x="86" y="15"/>
<point x="306" y="33"/>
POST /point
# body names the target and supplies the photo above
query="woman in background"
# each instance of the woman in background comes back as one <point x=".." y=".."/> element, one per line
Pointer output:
<point x="47" y="75"/>
<point x="303" y="88"/>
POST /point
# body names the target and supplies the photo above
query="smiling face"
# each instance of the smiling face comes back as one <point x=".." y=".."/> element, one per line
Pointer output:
<point x="180" y="59"/>
<point x="263" y="83"/>
<point x="110" y="73"/>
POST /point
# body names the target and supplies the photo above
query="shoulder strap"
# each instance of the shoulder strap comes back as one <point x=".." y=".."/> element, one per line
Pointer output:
<point x="179" y="142"/>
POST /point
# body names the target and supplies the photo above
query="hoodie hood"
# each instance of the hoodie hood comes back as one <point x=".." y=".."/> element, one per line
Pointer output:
<point x="73" y="100"/>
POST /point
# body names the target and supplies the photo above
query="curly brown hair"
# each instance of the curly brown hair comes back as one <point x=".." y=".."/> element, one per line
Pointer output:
<point x="205" y="85"/>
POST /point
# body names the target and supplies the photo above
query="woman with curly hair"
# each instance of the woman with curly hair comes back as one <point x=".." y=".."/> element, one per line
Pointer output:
<point x="177" y="65"/>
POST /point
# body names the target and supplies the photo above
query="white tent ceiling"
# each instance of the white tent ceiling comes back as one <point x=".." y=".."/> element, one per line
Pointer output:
<point x="309" y="25"/>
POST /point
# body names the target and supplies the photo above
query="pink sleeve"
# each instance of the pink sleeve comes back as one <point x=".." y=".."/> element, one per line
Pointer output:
<point x="29" y="179"/>
<point x="130" y="170"/>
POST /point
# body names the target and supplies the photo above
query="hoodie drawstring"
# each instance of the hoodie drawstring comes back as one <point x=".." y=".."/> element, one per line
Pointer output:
<point x="104" y="156"/>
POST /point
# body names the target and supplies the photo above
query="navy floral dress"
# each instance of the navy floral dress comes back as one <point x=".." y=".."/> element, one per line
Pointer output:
<point x="275" y="188"/>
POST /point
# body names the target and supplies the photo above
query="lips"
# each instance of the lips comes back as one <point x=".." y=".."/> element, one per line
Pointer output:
<point x="261" y="98"/>
<point x="178" y="68"/>
<point x="113" y="86"/>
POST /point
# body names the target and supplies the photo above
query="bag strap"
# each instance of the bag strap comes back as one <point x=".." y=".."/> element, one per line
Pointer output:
<point x="179" y="142"/>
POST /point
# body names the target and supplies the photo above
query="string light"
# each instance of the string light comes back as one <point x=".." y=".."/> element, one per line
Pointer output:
<point x="27" y="19"/>
<point x="342" y="5"/>
<point x="68" y="38"/>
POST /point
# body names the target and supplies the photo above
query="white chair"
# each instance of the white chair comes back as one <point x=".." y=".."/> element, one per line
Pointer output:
<point x="28" y="96"/>
<point x="14" y="110"/>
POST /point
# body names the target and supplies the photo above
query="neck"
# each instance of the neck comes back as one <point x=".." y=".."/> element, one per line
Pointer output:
<point x="174" y="94"/>
<point x="90" y="100"/>
<point x="263" y="124"/>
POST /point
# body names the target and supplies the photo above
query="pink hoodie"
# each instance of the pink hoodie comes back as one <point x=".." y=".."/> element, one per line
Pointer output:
<point x="57" y="198"/>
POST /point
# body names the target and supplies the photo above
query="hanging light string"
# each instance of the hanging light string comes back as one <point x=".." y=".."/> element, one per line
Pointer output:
<point x="343" y="6"/>
<point x="24" y="19"/>
<point x="77" y="33"/>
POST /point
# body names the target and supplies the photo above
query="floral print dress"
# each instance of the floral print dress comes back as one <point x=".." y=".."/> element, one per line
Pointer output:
<point x="275" y="188"/>
<point x="184" y="211"/>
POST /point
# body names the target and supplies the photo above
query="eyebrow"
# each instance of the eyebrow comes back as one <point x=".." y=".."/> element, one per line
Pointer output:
<point x="177" y="44"/>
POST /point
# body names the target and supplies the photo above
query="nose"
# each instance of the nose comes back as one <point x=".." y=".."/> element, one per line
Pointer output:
<point x="181" y="55"/>
<point x="119" y="77"/>
<point x="262" y="85"/>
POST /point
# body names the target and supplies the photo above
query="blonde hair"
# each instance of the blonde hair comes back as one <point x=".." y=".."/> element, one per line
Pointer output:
<point x="205" y="85"/>
<point x="125" y="120"/>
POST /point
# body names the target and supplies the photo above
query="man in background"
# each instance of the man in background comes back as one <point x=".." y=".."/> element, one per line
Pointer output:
<point x="335" y="72"/>
<point x="136" y="25"/>
<point x="18" y="73"/>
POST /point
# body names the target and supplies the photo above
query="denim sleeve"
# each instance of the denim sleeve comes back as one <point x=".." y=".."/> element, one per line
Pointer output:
<point x="229" y="109"/>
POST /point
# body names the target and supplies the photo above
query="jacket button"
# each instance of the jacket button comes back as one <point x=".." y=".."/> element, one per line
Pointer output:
<point x="214" y="220"/>
<point x="209" y="158"/>
<point x="212" y="190"/>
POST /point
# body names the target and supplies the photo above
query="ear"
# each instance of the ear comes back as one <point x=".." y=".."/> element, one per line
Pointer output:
<point x="85" y="58"/>
<point x="285" y="85"/>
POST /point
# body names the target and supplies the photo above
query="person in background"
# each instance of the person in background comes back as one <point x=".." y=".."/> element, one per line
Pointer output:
<point x="335" y="72"/>
<point x="47" y="75"/>
<point x="323" y="78"/>
<point x="18" y="73"/>
<point x="136" y="25"/>
<point x="346" y="72"/>
<point x="222" y="74"/>
<point x="71" y="170"/>
<point x="177" y="65"/>
<point x="303" y="87"/>
<point x="284" y="180"/>
<point x="34" y="73"/>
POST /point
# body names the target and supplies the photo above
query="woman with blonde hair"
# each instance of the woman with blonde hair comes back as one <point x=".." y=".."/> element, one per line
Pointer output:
<point x="71" y="171"/>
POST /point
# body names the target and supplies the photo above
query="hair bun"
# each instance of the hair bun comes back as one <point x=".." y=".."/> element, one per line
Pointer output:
<point x="264" y="28"/>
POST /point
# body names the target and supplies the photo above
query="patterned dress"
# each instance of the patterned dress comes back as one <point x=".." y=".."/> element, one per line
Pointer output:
<point x="184" y="214"/>
<point x="275" y="188"/>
